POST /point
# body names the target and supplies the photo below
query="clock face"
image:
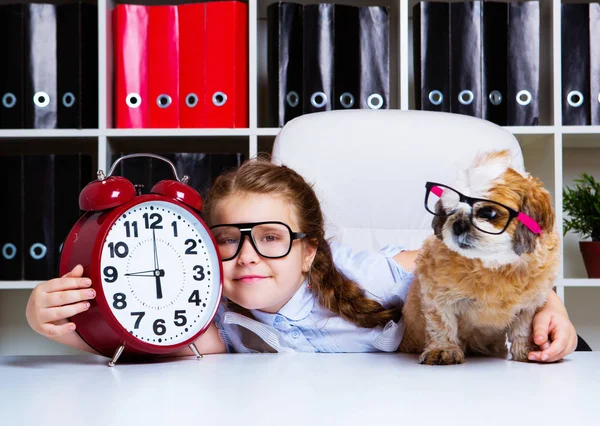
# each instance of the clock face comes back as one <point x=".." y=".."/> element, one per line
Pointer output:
<point x="160" y="273"/>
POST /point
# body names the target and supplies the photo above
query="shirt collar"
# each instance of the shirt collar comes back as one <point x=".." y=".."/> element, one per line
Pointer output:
<point x="296" y="309"/>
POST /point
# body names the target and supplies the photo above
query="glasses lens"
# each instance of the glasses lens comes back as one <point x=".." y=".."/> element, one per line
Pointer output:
<point x="228" y="240"/>
<point x="441" y="200"/>
<point x="271" y="239"/>
<point x="490" y="217"/>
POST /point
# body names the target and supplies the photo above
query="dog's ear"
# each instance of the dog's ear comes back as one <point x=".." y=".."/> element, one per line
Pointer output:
<point x="537" y="204"/>
<point x="438" y="221"/>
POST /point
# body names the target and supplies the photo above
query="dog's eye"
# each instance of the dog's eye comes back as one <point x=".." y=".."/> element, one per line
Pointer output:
<point x="487" y="213"/>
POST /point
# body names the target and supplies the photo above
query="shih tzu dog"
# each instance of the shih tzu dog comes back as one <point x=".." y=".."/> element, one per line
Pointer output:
<point x="486" y="270"/>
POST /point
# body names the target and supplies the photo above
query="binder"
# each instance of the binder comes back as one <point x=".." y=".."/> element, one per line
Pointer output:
<point x="161" y="170"/>
<point x="347" y="61"/>
<point x="191" y="65"/>
<point x="38" y="217"/>
<point x="595" y="63"/>
<point x="318" y="40"/>
<point x="494" y="49"/>
<point x="71" y="173"/>
<point x="12" y="83"/>
<point x="431" y="56"/>
<point x="575" y="64"/>
<point x="194" y="165"/>
<point x="163" y="59"/>
<point x="131" y="101"/>
<point x="11" y="217"/>
<point x="77" y="59"/>
<point x="374" y="57"/>
<point x="226" y="89"/>
<point x="523" y="59"/>
<point x="40" y="66"/>
<point x="284" y="63"/>
<point x="465" y="58"/>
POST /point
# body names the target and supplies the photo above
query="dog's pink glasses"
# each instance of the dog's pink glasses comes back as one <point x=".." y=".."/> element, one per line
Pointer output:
<point x="437" y="189"/>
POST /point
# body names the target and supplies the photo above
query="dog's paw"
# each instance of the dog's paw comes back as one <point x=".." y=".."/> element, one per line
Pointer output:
<point x="442" y="356"/>
<point x="520" y="349"/>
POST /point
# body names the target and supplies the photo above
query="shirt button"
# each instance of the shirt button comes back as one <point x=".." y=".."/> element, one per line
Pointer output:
<point x="295" y="334"/>
<point x="277" y="319"/>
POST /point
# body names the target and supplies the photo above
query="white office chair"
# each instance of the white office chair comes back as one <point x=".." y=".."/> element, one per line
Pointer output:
<point x="369" y="168"/>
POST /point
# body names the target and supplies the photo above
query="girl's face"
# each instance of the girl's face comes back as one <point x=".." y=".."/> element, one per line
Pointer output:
<point x="253" y="281"/>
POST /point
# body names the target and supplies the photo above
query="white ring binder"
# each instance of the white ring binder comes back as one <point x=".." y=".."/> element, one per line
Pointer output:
<point x="133" y="100"/>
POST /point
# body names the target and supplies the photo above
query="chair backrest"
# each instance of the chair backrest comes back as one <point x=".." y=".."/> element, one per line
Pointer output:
<point x="369" y="168"/>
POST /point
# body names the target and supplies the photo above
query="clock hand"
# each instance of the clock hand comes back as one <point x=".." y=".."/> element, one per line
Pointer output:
<point x="158" y="286"/>
<point x="155" y="251"/>
<point x="143" y="273"/>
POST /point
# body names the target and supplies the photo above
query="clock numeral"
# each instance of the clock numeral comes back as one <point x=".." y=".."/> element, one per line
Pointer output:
<point x="195" y="297"/>
<point x="174" y="225"/>
<point x="120" y="249"/>
<point x="159" y="327"/>
<point x="190" y="249"/>
<point x="128" y="228"/>
<point x="179" y="316"/>
<point x="140" y="315"/>
<point x="110" y="274"/>
<point x="199" y="275"/>
<point x="119" y="301"/>
<point x="157" y="220"/>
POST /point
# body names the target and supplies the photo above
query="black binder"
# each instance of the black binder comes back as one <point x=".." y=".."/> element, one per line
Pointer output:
<point x="12" y="71"/>
<point x="40" y="65"/>
<point x="523" y="63"/>
<point x="284" y="67"/>
<point x="38" y="218"/>
<point x="595" y="63"/>
<point x="347" y="63"/>
<point x="138" y="170"/>
<point x="77" y="59"/>
<point x="11" y="217"/>
<point x="431" y="63"/>
<point x="575" y="64"/>
<point x="318" y="39"/>
<point x="71" y="173"/>
<point x="374" y="57"/>
<point x="494" y="48"/>
<point x="465" y="58"/>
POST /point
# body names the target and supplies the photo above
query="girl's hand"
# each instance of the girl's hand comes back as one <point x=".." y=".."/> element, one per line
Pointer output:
<point x="52" y="302"/>
<point x="553" y="332"/>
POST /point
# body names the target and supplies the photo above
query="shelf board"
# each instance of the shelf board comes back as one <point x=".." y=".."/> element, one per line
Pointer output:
<point x="48" y="133"/>
<point x="268" y="131"/>
<point x="531" y="130"/>
<point x="148" y="133"/>
<point x="580" y="130"/>
<point x="18" y="285"/>
<point x="578" y="282"/>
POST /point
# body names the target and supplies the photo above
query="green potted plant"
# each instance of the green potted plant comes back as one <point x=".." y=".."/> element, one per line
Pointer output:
<point x="582" y="204"/>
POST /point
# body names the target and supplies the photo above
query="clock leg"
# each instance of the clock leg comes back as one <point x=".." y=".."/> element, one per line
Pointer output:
<point x="116" y="356"/>
<point x="194" y="349"/>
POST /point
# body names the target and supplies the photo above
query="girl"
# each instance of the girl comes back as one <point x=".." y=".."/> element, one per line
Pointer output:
<point x="287" y="288"/>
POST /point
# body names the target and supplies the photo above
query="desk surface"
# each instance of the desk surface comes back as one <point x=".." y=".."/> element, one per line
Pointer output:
<point x="298" y="389"/>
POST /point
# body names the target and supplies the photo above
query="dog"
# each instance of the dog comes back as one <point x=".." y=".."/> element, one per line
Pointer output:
<point x="486" y="270"/>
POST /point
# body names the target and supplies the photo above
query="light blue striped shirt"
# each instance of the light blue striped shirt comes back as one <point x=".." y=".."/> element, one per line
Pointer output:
<point x="303" y="325"/>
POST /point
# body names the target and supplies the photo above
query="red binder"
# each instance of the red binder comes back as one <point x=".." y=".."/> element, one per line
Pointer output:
<point x="130" y="23"/>
<point x="163" y="55"/>
<point x="226" y="94"/>
<point x="191" y="65"/>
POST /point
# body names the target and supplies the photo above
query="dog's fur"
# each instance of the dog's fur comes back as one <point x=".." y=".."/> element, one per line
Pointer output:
<point x="472" y="291"/>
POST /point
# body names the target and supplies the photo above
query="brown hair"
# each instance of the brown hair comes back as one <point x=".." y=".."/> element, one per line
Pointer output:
<point x="333" y="290"/>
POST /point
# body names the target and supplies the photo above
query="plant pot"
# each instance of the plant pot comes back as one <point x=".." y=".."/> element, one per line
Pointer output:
<point x="590" y="250"/>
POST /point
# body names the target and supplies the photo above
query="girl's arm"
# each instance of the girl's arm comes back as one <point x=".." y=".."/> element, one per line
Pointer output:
<point x="553" y="332"/>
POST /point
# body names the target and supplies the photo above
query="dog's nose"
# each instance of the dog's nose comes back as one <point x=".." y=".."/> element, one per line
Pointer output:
<point x="460" y="227"/>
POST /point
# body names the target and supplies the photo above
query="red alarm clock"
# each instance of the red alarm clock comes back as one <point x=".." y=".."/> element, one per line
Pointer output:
<point x="153" y="262"/>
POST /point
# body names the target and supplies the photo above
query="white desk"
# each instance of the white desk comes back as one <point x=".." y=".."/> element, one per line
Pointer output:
<point x="298" y="389"/>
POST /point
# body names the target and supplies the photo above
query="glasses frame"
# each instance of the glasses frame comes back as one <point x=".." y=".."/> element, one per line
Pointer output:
<point x="246" y="231"/>
<point x="531" y="224"/>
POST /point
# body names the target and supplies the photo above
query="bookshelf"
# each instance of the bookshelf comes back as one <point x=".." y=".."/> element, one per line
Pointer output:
<point x="553" y="152"/>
